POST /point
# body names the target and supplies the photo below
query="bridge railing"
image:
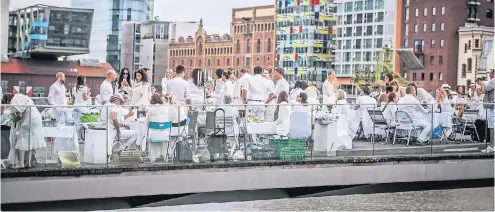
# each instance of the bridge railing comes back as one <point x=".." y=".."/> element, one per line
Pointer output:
<point x="123" y="135"/>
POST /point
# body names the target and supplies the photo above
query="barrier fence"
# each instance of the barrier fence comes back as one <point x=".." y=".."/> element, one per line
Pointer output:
<point x="87" y="136"/>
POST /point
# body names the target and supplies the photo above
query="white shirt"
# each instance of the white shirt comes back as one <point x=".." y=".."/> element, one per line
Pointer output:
<point x="258" y="87"/>
<point x="365" y="102"/>
<point x="79" y="95"/>
<point x="282" y="85"/>
<point x="389" y="113"/>
<point x="283" y="120"/>
<point x="294" y="93"/>
<point x="229" y="88"/>
<point x="412" y="106"/>
<point x="56" y="95"/>
<point x="240" y="83"/>
<point x="424" y="96"/>
<point x="446" y="106"/>
<point x="180" y="88"/>
<point x="141" y="94"/>
<point x="106" y="91"/>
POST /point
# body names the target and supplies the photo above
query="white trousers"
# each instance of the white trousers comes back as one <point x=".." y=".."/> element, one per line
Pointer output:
<point x="424" y="135"/>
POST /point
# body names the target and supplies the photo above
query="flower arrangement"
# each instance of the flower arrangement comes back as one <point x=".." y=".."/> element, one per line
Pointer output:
<point x="325" y="117"/>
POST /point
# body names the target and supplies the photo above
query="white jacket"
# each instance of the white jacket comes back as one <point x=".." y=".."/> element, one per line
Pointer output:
<point x="328" y="93"/>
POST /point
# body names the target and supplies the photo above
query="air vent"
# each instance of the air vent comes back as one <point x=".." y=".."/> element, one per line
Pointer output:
<point x="89" y="62"/>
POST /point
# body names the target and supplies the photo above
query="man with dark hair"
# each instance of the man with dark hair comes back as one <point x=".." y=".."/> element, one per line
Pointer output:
<point x="219" y="83"/>
<point x="180" y="87"/>
<point x="281" y="85"/>
<point x="258" y="88"/>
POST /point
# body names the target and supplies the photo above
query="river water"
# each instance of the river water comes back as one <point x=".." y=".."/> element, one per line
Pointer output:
<point x="466" y="199"/>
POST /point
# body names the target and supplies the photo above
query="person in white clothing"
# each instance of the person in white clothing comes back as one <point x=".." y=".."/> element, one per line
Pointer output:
<point x="106" y="90"/>
<point x="141" y="91"/>
<point x="329" y="87"/>
<point x="284" y="112"/>
<point x="416" y="111"/>
<point x="313" y="94"/>
<point x="179" y="87"/>
<point x="488" y="100"/>
<point x="389" y="109"/>
<point x="243" y="75"/>
<point x="299" y="87"/>
<point x="168" y="76"/>
<point x="258" y="88"/>
<point x="159" y="113"/>
<point x="363" y="103"/>
<point x="443" y="103"/>
<point x="219" y="82"/>
<point x="422" y="95"/>
<point x="281" y="85"/>
<point x="124" y="85"/>
<point x="117" y="130"/>
<point x="81" y="96"/>
<point x="56" y="94"/>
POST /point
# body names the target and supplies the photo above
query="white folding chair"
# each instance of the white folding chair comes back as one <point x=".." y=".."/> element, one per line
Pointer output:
<point x="300" y="125"/>
<point x="380" y="122"/>
<point x="468" y="120"/>
<point x="404" y="122"/>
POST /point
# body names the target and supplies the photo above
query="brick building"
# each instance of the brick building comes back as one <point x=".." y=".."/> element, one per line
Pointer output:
<point x="250" y="44"/>
<point x="431" y="29"/>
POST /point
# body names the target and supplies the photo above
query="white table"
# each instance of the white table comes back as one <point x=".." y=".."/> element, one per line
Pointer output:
<point x="65" y="139"/>
<point x="329" y="138"/>
<point x="264" y="128"/>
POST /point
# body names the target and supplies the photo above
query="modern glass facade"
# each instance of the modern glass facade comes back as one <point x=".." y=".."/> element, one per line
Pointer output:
<point x="305" y="38"/>
<point x="364" y="28"/>
<point x="106" y="35"/>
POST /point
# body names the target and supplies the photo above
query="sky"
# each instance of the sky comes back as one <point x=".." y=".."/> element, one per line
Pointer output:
<point x="216" y="14"/>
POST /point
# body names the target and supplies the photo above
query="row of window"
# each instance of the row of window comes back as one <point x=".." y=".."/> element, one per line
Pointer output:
<point x="469" y="67"/>
<point x="360" y="43"/>
<point x="258" y="46"/>
<point x="358" y="5"/>
<point x="248" y="28"/>
<point x="227" y="62"/>
<point x="419" y="44"/>
<point x="425" y="28"/>
<point x="425" y="12"/>
<point x="440" y="76"/>
<point x="467" y="46"/>
<point x="372" y="17"/>
<point x="361" y="31"/>
<point x="223" y="50"/>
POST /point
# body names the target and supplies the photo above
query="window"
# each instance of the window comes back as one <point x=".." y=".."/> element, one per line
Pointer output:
<point x="433" y="27"/>
<point x="431" y="76"/>
<point x="422" y="76"/>
<point x="463" y="71"/>
<point x="209" y="62"/>
<point x="432" y="58"/>
<point x="425" y="12"/>
<point x="248" y="61"/>
<point x="407" y="14"/>
<point x="199" y="62"/>
<point x="442" y="26"/>
<point x="407" y="2"/>
<point x="238" y="47"/>
<point x="258" y="46"/>
<point x="417" y="12"/>
<point x="440" y="76"/>
<point x="414" y="77"/>
<point x="191" y="62"/>
<point x="5" y="86"/>
<point x="218" y="62"/>
<point x="269" y="45"/>
<point x="489" y="13"/>
<point x="424" y="27"/>
<point x="227" y="62"/>
<point x="406" y="33"/>
<point x="406" y="42"/>
<point x="434" y="11"/>
<point x="38" y="91"/>
<point x="248" y="46"/>
<point x="443" y="10"/>
<point x="441" y="43"/>
<point x="237" y="62"/>
<point x="476" y="43"/>
<point x="432" y="44"/>
<point x="200" y="48"/>
<point x="415" y="28"/>
<point x="469" y="64"/>
<point x="465" y="48"/>
<point x="440" y="60"/>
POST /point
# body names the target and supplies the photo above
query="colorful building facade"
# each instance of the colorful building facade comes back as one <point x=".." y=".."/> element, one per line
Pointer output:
<point x="305" y="39"/>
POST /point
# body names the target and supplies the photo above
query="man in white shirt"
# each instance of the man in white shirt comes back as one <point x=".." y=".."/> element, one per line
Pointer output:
<point x="118" y="130"/>
<point x="258" y="87"/>
<point x="180" y="87"/>
<point x="416" y="111"/>
<point x="240" y="82"/>
<point x="282" y="84"/>
<point x="56" y="95"/>
<point x="106" y="89"/>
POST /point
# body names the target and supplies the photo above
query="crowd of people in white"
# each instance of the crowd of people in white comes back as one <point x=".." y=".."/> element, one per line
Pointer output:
<point x="266" y="100"/>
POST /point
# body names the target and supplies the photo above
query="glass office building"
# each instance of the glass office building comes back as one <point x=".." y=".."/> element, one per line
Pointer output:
<point x="106" y="34"/>
<point x="305" y="33"/>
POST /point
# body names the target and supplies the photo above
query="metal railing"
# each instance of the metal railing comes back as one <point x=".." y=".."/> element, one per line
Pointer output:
<point x="85" y="136"/>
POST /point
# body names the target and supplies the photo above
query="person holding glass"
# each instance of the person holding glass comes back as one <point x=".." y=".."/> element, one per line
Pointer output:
<point x="141" y="91"/>
<point x="124" y="85"/>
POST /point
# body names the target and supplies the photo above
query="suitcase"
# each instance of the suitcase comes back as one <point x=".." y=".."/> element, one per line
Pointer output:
<point x="482" y="129"/>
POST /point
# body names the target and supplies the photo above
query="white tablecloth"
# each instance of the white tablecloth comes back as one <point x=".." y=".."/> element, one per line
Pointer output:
<point x="263" y="128"/>
<point x="65" y="138"/>
<point x="95" y="150"/>
<point x="333" y="136"/>
<point x="444" y="119"/>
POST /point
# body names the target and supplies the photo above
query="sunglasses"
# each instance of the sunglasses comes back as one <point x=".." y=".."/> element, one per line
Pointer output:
<point x="125" y="73"/>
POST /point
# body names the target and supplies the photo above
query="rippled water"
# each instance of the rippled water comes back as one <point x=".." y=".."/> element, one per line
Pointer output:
<point x="470" y="199"/>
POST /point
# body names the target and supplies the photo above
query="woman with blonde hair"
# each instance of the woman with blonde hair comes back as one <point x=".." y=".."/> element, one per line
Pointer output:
<point x="342" y="106"/>
<point x="443" y="103"/>
<point x="168" y="75"/>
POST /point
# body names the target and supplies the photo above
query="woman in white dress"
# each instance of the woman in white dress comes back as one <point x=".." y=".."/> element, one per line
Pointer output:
<point x="158" y="113"/>
<point x="329" y="87"/>
<point x="284" y="111"/>
<point x="168" y="75"/>
<point x="26" y="135"/>
<point x="81" y="96"/>
<point x="124" y="84"/>
<point x="313" y="94"/>
<point x="270" y="110"/>
<point x="141" y="91"/>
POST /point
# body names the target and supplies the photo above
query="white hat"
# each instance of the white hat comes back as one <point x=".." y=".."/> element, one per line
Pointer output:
<point x="446" y="86"/>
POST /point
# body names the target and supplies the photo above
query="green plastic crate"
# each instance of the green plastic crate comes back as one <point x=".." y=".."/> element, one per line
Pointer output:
<point x="289" y="149"/>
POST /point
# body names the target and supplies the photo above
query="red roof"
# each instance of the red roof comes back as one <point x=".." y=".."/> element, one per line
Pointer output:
<point x="43" y="67"/>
